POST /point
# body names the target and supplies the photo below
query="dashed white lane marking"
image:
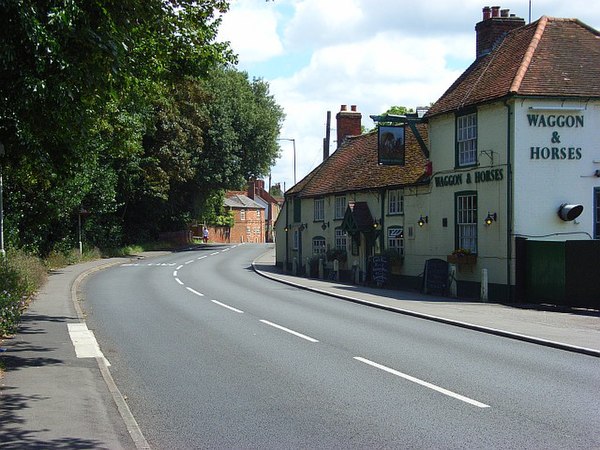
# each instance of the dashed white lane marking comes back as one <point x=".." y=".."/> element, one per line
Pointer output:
<point x="175" y="273"/>
<point x="200" y="294"/>
<point x="201" y="257"/>
<point x="188" y="262"/>
<point x="215" y="253"/>
<point x="227" y="306"/>
<point x="179" y="281"/>
<point x="287" y="330"/>
<point x="226" y="250"/>
<point x="423" y="383"/>
<point x="179" y="267"/>
<point x="85" y="342"/>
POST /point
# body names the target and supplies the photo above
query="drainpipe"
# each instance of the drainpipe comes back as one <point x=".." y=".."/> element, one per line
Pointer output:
<point x="509" y="201"/>
<point x="287" y="234"/>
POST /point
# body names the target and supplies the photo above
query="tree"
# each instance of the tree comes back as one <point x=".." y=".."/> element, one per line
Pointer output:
<point x="79" y="83"/>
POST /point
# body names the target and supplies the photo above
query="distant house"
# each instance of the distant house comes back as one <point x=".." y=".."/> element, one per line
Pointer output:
<point x="257" y="192"/>
<point x="249" y="223"/>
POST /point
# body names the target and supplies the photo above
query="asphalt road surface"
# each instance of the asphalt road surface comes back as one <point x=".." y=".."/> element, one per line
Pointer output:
<point x="211" y="355"/>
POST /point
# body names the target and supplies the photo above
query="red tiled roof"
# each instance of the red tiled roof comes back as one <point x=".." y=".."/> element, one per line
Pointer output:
<point x="354" y="167"/>
<point x="549" y="57"/>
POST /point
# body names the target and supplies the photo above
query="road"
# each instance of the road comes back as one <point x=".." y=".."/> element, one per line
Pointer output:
<point x="211" y="355"/>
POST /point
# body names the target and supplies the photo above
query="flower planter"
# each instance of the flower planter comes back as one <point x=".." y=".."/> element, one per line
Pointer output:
<point x="462" y="259"/>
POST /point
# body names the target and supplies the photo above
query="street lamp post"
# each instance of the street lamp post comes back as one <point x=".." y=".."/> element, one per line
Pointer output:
<point x="294" y="144"/>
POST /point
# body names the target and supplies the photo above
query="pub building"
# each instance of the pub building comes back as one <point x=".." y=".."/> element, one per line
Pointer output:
<point x="510" y="191"/>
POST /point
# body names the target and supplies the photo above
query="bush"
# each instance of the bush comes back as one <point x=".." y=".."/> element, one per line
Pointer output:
<point x="20" y="276"/>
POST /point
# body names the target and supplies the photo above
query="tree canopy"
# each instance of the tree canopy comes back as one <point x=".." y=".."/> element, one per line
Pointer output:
<point x="131" y="110"/>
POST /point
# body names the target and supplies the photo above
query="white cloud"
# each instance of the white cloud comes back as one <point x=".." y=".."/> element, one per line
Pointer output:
<point x="252" y="31"/>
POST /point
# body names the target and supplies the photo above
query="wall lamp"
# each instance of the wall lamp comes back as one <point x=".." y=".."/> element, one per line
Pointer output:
<point x="423" y="220"/>
<point x="376" y="225"/>
<point x="287" y="228"/>
<point x="491" y="218"/>
<point x="324" y="226"/>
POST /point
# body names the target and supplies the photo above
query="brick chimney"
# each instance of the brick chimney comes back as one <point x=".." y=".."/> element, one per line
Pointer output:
<point x="348" y="123"/>
<point x="494" y="26"/>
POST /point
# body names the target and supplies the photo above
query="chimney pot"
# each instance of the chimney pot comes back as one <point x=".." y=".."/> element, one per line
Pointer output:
<point x="495" y="11"/>
<point x="343" y="108"/>
<point x="352" y="107"/>
<point x="504" y="12"/>
<point x="487" y="12"/>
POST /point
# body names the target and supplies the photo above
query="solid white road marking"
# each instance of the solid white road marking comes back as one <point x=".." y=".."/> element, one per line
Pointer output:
<point x="424" y="383"/>
<point x="287" y="330"/>
<point x="85" y="342"/>
<point x="179" y="281"/>
<point x="227" y="306"/>
<point x="195" y="292"/>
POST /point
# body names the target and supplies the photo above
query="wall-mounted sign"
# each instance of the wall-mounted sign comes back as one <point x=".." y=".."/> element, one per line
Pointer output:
<point x="480" y="176"/>
<point x="390" y="149"/>
<point x="554" y="149"/>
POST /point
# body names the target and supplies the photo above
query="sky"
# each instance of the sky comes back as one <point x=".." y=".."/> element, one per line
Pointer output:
<point x="317" y="55"/>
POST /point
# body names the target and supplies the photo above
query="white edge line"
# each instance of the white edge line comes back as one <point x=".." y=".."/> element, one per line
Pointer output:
<point x="179" y="281"/>
<point x="287" y="330"/>
<point x="227" y="306"/>
<point x="179" y="267"/>
<point x="195" y="292"/>
<point x="424" y="383"/>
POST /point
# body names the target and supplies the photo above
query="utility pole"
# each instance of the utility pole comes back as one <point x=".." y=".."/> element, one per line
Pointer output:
<point x="2" y="251"/>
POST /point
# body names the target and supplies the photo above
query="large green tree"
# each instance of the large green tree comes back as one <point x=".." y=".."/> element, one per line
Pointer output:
<point x="79" y="85"/>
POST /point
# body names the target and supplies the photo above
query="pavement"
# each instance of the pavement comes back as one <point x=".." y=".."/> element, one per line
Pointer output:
<point x="57" y="390"/>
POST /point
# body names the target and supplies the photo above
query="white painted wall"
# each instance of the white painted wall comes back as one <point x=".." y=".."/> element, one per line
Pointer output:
<point x="542" y="185"/>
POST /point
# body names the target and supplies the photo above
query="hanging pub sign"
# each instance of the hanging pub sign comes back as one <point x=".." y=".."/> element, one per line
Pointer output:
<point x="391" y="145"/>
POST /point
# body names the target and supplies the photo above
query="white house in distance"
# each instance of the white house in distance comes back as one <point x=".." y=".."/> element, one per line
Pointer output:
<point x="513" y="152"/>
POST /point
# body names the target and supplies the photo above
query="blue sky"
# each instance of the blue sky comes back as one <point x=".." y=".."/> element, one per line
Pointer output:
<point x="319" y="54"/>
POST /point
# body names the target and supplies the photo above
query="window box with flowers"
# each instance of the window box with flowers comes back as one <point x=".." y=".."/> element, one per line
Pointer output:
<point x="462" y="257"/>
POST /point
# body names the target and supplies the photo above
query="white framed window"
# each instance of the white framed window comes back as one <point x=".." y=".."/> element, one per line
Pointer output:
<point x="340" y="206"/>
<point x="318" y="245"/>
<point x="466" y="221"/>
<point x="258" y="214"/>
<point x="242" y="214"/>
<point x="396" y="239"/>
<point x="395" y="202"/>
<point x="248" y="231"/>
<point x="319" y="209"/>
<point x="257" y="231"/>
<point x="466" y="139"/>
<point x="340" y="239"/>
